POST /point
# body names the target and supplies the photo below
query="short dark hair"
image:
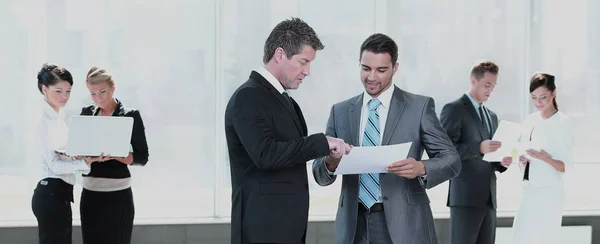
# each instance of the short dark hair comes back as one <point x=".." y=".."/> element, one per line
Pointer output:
<point x="291" y="35"/>
<point x="546" y="80"/>
<point x="479" y="69"/>
<point x="50" y="74"/>
<point x="380" y="43"/>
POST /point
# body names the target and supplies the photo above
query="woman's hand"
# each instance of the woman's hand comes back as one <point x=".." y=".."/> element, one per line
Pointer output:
<point x="126" y="160"/>
<point x="541" y="155"/>
<point x="101" y="158"/>
<point x="523" y="160"/>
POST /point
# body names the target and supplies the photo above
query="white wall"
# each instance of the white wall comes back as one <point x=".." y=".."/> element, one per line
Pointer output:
<point x="179" y="61"/>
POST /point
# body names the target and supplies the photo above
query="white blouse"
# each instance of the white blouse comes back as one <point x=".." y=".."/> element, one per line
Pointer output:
<point x="52" y="134"/>
<point x="555" y="136"/>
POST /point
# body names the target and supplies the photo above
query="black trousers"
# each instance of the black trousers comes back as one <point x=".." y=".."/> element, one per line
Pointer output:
<point x="473" y="225"/>
<point x="51" y="205"/>
<point x="107" y="217"/>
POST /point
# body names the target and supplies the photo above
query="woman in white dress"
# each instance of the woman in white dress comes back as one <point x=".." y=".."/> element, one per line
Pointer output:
<point x="549" y="134"/>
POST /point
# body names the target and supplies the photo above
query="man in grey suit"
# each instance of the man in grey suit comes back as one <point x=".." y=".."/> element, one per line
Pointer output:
<point x="390" y="207"/>
<point x="472" y="194"/>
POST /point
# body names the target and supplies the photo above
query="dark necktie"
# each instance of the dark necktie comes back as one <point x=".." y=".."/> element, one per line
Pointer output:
<point x="288" y="99"/>
<point x="483" y="119"/>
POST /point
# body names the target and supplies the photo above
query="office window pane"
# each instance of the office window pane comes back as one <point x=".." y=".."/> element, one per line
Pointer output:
<point x="437" y="54"/>
<point x="162" y="57"/>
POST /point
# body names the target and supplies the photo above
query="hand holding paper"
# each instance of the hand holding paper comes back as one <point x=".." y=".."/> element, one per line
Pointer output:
<point x="372" y="159"/>
<point x="337" y="147"/>
<point x="408" y="168"/>
<point x="507" y="134"/>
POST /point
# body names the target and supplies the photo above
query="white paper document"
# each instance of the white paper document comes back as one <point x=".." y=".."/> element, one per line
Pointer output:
<point x="508" y="133"/>
<point x="372" y="159"/>
<point x="522" y="147"/>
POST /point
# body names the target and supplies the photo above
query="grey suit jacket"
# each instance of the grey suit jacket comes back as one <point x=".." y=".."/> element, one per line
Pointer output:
<point x="411" y="118"/>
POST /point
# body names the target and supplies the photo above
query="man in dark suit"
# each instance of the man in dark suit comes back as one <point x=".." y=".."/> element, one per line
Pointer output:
<point x="268" y="143"/>
<point x="472" y="194"/>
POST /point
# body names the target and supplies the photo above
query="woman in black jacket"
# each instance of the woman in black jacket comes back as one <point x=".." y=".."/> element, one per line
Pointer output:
<point x="107" y="208"/>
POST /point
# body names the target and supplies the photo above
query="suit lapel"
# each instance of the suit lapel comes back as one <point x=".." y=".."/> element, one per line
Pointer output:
<point x="303" y="129"/>
<point x="279" y="97"/>
<point x="494" y="121"/>
<point x="354" y="119"/>
<point x="474" y="115"/>
<point x="397" y="105"/>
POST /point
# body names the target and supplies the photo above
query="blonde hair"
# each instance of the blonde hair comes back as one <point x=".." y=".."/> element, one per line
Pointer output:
<point x="98" y="75"/>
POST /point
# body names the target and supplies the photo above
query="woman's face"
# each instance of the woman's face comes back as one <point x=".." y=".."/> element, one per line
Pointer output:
<point x="542" y="98"/>
<point x="58" y="94"/>
<point x="101" y="93"/>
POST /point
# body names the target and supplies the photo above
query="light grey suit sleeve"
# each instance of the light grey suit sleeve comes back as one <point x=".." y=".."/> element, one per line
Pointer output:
<point x="444" y="162"/>
<point x="320" y="172"/>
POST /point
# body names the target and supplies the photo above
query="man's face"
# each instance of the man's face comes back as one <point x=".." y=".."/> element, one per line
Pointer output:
<point x="483" y="88"/>
<point x="295" y="68"/>
<point x="376" y="72"/>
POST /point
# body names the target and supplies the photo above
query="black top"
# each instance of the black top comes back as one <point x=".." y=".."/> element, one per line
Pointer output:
<point x="526" y="175"/>
<point x="113" y="168"/>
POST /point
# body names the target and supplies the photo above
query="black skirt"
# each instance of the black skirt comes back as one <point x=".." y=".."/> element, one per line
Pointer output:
<point x="107" y="217"/>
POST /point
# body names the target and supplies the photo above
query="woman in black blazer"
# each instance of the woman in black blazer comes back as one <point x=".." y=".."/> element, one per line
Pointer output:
<point x="107" y="208"/>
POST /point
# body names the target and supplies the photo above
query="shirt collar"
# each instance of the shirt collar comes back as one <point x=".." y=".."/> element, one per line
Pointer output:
<point x="270" y="78"/>
<point x="475" y="104"/>
<point x="48" y="110"/>
<point x="385" y="97"/>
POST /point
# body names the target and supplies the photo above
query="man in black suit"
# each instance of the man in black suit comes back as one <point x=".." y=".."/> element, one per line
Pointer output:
<point x="472" y="194"/>
<point x="268" y="143"/>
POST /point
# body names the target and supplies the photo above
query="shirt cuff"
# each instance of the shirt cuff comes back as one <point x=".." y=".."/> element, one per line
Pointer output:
<point x="328" y="172"/>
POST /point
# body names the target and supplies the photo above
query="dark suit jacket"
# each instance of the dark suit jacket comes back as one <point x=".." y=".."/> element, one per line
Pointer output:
<point x="268" y="150"/>
<point x="476" y="183"/>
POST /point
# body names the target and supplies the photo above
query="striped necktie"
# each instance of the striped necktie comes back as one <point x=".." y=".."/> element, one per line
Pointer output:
<point x="368" y="193"/>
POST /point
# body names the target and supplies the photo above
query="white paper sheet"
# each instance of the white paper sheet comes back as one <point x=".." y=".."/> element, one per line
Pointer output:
<point x="372" y="159"/>
<point x="524" y="146"/>
<point x="508" y="133"/>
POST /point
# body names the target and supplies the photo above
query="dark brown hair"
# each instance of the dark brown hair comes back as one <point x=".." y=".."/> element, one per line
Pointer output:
<point x="380" y="43"/>
<point x="478" y="71"/>
<point x="50" y="74"/>
<point x="545" y="80"/>
<point x="292" y="35"/>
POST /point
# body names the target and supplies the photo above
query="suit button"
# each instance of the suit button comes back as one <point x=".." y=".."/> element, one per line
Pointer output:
<point x="385" y="198"/>
<point x="306" y="186"/>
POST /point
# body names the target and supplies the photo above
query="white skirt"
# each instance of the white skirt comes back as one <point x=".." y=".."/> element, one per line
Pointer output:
<point x="539" y="217"/>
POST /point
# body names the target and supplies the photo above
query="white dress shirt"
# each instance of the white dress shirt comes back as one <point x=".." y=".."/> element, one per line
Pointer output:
<point x="385" y="98"/>
<point x="271" y="79"/>
<point x="52" y="134"/>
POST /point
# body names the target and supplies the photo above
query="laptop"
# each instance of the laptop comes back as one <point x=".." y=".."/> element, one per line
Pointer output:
<point x="93" y="135"/>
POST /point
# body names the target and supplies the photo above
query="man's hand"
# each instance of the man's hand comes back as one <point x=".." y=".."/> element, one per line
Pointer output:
<point x="506" y="161"/>
<point x="489" y="146"/>
<point x="408" y="168"/>
<point x="332" y="163"/>
<point x="337" y="147"/>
